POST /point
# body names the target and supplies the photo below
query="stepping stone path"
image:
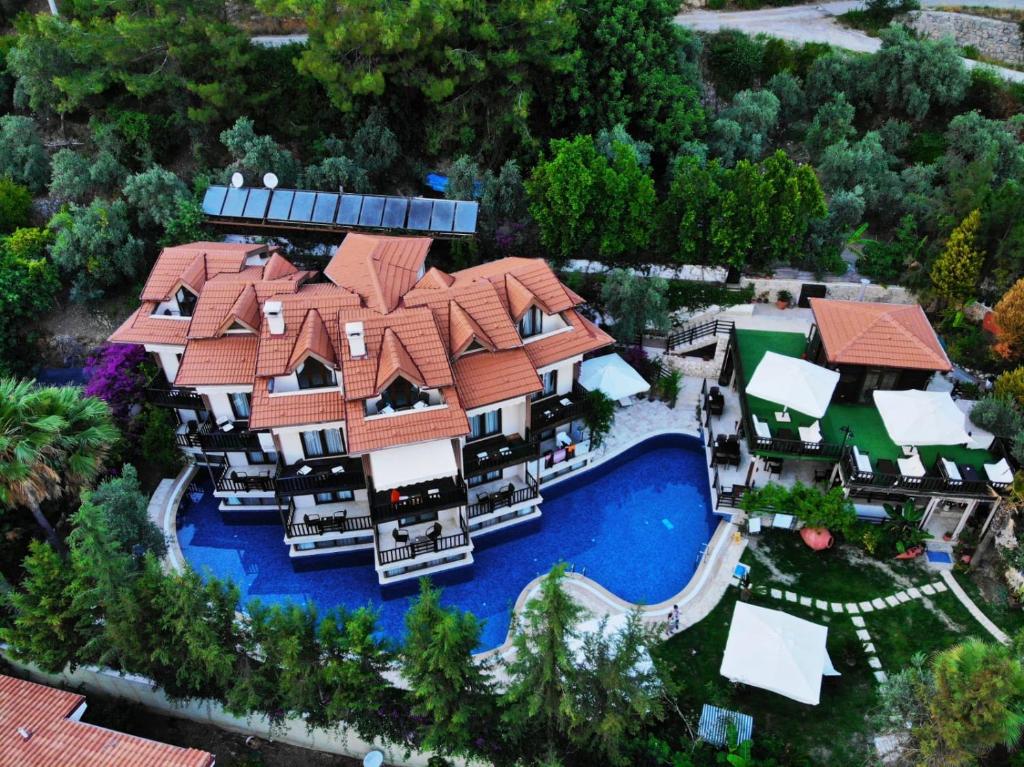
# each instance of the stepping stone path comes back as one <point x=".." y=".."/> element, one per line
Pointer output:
<point x="854" y="608"/>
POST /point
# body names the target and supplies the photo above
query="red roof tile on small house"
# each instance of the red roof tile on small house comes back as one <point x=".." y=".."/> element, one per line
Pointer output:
<point x="406" y="428"/>
<point x="380" y="270"/>
<point x="230" y="359"/>
<point x="142" y="327"/>
<point x="312" y="339"/>
<point x="309" y="407"/>
<point x="584" y="337"/>
<point x="484" y="378"/>
<point x="174" y="263"/>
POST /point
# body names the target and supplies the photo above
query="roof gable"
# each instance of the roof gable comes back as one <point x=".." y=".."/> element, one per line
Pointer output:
<point x="463" y="330"/>
<point x="312" y="339"/>
<point x="380" y="270"/>
<point x="393" y="361"/>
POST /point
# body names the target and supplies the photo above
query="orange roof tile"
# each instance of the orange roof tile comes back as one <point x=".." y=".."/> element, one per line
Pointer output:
<point x="379" y="269"/>
<point x="173" y="263"/>
<point x="194" y="276"/>
<point x="435" y="279"/>
<point x="534" y="274"/>
<point x="142" y="327"/>
<point x="878" y="335"/>
<point x="463" y="330"/>
<point x="55" y="740"/>
<point x="418" y="333"/>
<point x="245" y="311"/>
<point x="393" y="360"/>
<point x="278" y="267"/>
<point x="230" y="359"/>
<point x="405" y="428"/>
<point x="584" y="337"/>
<point x="312" y="339"/>
<point x="484" y="378"/>
<point x="276" y="351"/>
<point x="480" y="301"/>
<point x="310" y="407"/>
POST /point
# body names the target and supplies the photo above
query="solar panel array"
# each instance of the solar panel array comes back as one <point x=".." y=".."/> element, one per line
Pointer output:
<point x="291" y="207"/>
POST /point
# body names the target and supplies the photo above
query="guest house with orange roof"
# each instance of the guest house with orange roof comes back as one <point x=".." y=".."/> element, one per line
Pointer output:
<point x="380" y="405"/>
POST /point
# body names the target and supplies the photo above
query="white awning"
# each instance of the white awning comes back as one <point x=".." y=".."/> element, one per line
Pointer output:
<point x="921" y="417"/>
<point x="793" y="382"/>
<point x="776" y="651"/>
<point x="613" y="376"/>
<point x="409" y="464"/>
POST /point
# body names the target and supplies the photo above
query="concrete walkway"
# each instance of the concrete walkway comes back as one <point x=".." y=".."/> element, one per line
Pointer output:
<point x="817" y="24"/>
<point x="958" y="591"/>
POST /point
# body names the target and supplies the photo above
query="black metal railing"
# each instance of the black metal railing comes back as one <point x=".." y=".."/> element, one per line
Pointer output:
<point x="505" y="498"/>
<point x="935" y="484"/>
<point x="316" y="524"/>
<point x="426" y="546"/>
<point x="558" y="409"/>
<point x="215" y="439"/>
<point x="386" y="505"/>
<point x="688" y="334"/>
<point x="235" y="479"/>
<point x="190" y="437"/>
<point x="322" y="476"/>
<point x="497" y="453"/>
<point x="728" y="497"/>
<point x="160" y="393"/>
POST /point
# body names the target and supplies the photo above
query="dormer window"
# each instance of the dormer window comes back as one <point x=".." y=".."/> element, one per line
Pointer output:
<point x="531" y="322"/>
<point x="313" y="374"/>
<point x="401" y="394"/>
<point x="186" y="301"/>
<point x="474" y="346"/>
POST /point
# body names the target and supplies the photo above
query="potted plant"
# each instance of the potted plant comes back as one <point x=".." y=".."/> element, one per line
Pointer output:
<point x="783" y="298"/>
<point x="670" y="385"/>
<point x="822" y="514"/>
<point x="904" y="525"/>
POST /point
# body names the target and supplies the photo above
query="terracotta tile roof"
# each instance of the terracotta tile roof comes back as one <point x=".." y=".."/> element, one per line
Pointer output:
<point x="483" y="378"/>
<point x="143" y="328"/>
<point x="418" y="333"/>
<point x="480" y="301"/>
<point x="278" y="267"/>
<point x="276" y="351"/>
<point x="237" y="296"/>
<point x="379" y="269"/>
<point x="312" y="339"/>
<point x="584" y="337"/>
<point x="393" y="360"/>
<point x="214" y="258"/>
<point x="229" y="359"/>
<point x="463" y="330"/>
<point x="435" y="279"/>
<point x="270" y="411"/>
<point x="533" y="274"/>
<point x="57" y="741"/>
<point x="879" y="335"/>
<point x="406" y="428"/>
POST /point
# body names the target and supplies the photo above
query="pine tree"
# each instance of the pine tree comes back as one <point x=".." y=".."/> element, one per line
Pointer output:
<point x="448" y="688"/>
<point x="956" y="271"/>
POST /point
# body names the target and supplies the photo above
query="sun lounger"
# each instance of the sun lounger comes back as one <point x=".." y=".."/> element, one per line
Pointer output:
<point x="811" y="434"/>
<point x="912" y="467"/>
<point x="862" y="461"/>
<point x="949" y="470"/>
<point x="761" y="428"/>
<point x="1000" y="473"/>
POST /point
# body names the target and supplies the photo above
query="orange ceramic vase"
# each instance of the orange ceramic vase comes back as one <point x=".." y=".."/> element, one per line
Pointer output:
<point x="818" y="538"/>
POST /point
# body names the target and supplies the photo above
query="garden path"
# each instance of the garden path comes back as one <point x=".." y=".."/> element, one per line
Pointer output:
<point x="973" y="609"/>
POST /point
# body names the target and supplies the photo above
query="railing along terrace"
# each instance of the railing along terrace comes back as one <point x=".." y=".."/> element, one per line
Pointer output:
<point x="413" y="499"/>
<point x="160" y="393"/>
<point x="235" y="479"/>
<point x="215" y="439"/>
<point x="318" y="525"/>
<point x="425" y="546"/>
<point x="553" y="410"/>
<point x="324" y="475"/>
<point x="497" y="453"/>
<point x="689" y="334"/>
<point x="927" y="484"/>
<point x="502" y="499"/>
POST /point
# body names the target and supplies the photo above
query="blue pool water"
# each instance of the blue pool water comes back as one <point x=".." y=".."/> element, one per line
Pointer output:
<point x="635" y="524"/>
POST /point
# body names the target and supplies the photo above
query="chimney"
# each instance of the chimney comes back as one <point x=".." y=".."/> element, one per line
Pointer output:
<point x="25" y="733"/>
<point x="356" y="343"/>
<point x="274" y="313"/>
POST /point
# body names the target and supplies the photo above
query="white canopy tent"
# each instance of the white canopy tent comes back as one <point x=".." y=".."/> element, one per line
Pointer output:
<point x="916" y="417"/>
<point x="612" y="375"/>
<point x="793" y="383"/>
<point x="410" y="464"/>
<point x="776" y="651"/>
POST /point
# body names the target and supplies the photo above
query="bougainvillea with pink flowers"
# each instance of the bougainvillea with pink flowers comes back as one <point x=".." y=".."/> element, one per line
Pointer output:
<point x="116" y="374"/>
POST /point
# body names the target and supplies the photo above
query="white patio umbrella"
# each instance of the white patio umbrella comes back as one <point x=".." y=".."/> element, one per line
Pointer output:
<point x="916" y="417"/>
<point x="793" y="383"/>
<point x="613" y="376"/>
<point x="776" y="651"/>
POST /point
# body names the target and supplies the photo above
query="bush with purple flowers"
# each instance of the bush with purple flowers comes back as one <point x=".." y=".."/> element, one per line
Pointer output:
<point x="117" y="375"/>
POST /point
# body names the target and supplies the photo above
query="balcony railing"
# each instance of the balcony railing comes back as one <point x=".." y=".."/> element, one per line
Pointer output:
<point x="558" y="409"/>
<point x="162" y="394"/>
<point x="426" y="546"/>
<point x="506" y="498"/>
<point x="240" y="479"/>
<point x="933" y="484"/>
<point x="325" y="475"/>
<point x="215" y="439"/>
<point x="314" y="523"/>
<point x="188" y="434"/>
<point x="387" y="505"/>
<point x="497" y="453"/>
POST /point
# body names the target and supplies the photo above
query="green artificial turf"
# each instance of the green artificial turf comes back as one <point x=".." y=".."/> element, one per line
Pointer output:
<point x="867" y="429"/>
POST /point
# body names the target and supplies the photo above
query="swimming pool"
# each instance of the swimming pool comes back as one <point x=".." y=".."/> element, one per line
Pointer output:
<point x="635" y="524"/>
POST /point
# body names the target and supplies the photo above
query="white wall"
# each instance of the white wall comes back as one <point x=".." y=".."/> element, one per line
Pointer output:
<point x="565" y="373"/>
<point x="290" y="443"/>
<point x="513" y="414"/>
<point x="167" y="355"/>
<point x="217" y="397"/>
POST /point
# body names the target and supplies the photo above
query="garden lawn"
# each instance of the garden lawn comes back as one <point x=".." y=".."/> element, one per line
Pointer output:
<point x="998" y="609"/>
<point x="867" y="430"/>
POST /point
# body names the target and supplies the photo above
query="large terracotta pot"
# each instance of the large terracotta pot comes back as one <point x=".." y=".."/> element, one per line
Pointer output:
<point x="911" y="553"/>
<point x="818" y="538"/>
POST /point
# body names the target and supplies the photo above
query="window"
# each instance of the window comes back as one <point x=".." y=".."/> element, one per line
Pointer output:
<point x="234" y="500"/>
<point x="257" y="457"/>
<point x="485" y="477"/>
<point x="531" y="322"/>
<point x="415" y="519"/>
<point x="400" y="394"/>
<point x="240" y="404"/>
<point x="335" y="497"/>
<point x="313" y="374"/>
<point x="549" y="381"/>
<point x="485" y="424"/>
<point x="186" y="301"/>
<point x="323" y="442"/>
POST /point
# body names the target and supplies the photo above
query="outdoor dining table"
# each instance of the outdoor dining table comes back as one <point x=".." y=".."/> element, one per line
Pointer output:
<point x="885" y="466"/>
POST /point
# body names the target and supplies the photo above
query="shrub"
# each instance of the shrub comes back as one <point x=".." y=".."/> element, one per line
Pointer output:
<point x="1010" y="385"/>
<point x="997" y="415"/>
<point x="23" y="157"/>
<point x="600" y="414"/>
<point x="116" y="375"/>
<point x="810" y="505"/>
<point x="157" y="440"/>
<point x="15" y="205"/>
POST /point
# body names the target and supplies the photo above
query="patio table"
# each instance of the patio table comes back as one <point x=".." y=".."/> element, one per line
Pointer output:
<point x="970" y="474"/>
<point x="785" y="434"/>
<point x="885" y="466"/>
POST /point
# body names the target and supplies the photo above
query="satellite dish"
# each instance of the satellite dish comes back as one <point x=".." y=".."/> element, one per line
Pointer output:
<point x="270" y="180"/>
<point x="237" y="180"/>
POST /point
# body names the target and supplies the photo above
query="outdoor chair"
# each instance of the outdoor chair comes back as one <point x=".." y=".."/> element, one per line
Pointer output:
<point x="400" y="536"/>
<point x="761" y="428"/>
<point x="774" y="466"/>
<point x="1000" y="473"/>
<point x="949" y="470"/>
<point x="434" y="532"/>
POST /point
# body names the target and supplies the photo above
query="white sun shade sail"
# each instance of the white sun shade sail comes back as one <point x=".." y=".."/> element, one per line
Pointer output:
<point x="916" y="417"/>
<point x="410" y="464"/>
<point x="793" y="382"/>
<point x="612" y="375"/>
<point x="776" y="651"/>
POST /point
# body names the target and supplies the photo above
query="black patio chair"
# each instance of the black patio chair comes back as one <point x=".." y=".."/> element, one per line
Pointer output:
<point x="434" y="532"/>
<point x="400" y="536"/>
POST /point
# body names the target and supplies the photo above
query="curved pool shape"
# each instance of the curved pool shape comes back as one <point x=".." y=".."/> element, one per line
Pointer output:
<point x="635" y="524"/>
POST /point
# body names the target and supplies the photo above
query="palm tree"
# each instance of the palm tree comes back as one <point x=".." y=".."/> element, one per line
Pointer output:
<point x="52" y="441"/>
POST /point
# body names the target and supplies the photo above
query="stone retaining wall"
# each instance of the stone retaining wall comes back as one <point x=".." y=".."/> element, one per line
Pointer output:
<point x="850" y="291"/>
<point x="994" y="39"/>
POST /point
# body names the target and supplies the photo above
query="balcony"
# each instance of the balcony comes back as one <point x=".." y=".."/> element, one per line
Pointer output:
<point x="497" y="452"/>
<point x="888" y="479"/>
<point x="160" y="393"/>
<point x="502" y="494"/>
<point x="311" y="522"/>
<point x="218" y="438"/>
<point x="247" y="479"/>
<point x="443" y="493"/>
<point x="423" y="541"/>
<point x="187" y="435"/>
<point x="558" y="409"/>
<point x="322" y="475"/>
